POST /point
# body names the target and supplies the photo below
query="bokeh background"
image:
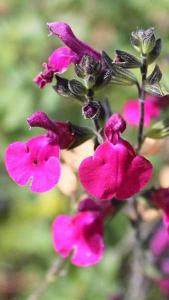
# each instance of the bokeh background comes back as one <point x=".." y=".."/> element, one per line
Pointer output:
<point x="25" y="219"/>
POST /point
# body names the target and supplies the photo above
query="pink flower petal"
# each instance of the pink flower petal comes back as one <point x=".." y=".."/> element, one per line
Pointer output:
<point x="46" y="176"/>
<point x="40" y="80"/>
<point x="114" y="171"/>
<point x="64" y="32"/>
<point x="160" y="198"/>
<point x="164" y="286"/>
<point x="62" y="235"/>
<point x="135" y="177"/>
<point x="17" y="163"/>
<point x="82" y="234"/>
<point x="165" y="265"/>
<point x="132" y="109"/>
<point x="36" y="161"/>
<point x="60" y="59"/>
<point x="159" y="241"/>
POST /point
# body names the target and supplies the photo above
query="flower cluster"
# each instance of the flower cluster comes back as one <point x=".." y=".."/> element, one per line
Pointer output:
<point x="113" y="174"/>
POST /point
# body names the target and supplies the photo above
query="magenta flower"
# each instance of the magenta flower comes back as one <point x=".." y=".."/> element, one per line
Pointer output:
<point x="115" y="170"/>
<point x="61" y="58"/>
<point x="59" y="132"/>
<point x="159" y="242"/>
<point x="164" y="286"/>
<point x="65" y="33"/>
<point x="58" y="62"/>
<point x="165" y="263"/>
<point x="80" y="236"/>
<point x="35" y="161"/>
<point x="131" y="111"/>
<point x="160" y="198"/>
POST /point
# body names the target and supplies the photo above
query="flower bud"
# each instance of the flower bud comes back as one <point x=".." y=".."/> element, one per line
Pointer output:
<point x="114" y="126"/>
<point x="88" y="69"/>
<point x="87" y="66"/>
<point x="143" y="40"/>
<point x="126" y="60"/>
<point x="114" y="73"/>
<point x="70" y="88"/>
<point x="91" y="110"/>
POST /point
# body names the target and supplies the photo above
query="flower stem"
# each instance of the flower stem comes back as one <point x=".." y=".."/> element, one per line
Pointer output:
<point x="138" y="286"/>
<point x="142" y="101"/>
<point x="51" y="275"/>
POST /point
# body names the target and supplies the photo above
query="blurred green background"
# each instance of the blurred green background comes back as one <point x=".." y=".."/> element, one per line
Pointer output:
<point x="25" y="244"/>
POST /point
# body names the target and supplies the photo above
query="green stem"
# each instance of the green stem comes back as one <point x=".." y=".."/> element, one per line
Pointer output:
<point x="51" y="275"/>
<point x="141" y="90"/>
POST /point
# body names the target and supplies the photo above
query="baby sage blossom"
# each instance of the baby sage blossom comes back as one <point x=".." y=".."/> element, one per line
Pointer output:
<point x="115" y="170"/>
<point x="61" y="58"/>
<point x="80" y="236"/>
<point x="58" y="62"/>
<point x="131" y="111"/>
<point x="159" y="241"/>
<point x="160" y="198"/>
<point x="66" y="35"/>
<point x="35" y="161"/>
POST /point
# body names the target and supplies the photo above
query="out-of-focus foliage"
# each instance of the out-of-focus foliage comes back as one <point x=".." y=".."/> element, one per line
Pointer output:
<point x="25" y="219"/>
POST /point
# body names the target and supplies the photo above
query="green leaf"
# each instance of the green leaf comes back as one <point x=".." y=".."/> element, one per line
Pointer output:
<point x="159" y="130"/>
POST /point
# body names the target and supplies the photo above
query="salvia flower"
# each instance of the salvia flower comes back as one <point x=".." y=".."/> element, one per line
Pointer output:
<point x="159" y="242"/>
<point x="60" y="60"/>
<point x="35" y="161"/>
<point x="164" y="286"/>
<point x="30" y="161"/>
<point x="80" y="236"/>
<point x="165" y="263"/>
<point x="65" y="33"/>
<point x="58" y="131"/>
<point x="160" y="198"/>
<point x="115" y="170"/>
<point x="131" y="111"/>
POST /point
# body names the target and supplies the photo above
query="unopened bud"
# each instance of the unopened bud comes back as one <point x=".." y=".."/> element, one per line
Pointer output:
<point x="89" y="65"/>
<point x="91" y="110"/>
<point x="143" y="40"/>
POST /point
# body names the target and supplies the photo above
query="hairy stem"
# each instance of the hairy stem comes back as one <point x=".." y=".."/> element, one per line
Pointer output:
<point x="141" y="90"/>
<point x="51" y="275"/>
<point x="138" y="286"/>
